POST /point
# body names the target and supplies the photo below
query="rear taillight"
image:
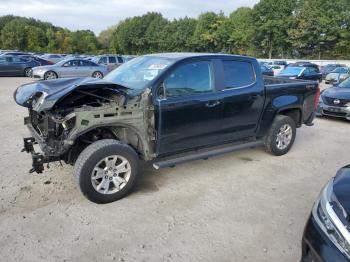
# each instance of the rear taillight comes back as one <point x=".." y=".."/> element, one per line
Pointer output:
<point x="317" y="96"/>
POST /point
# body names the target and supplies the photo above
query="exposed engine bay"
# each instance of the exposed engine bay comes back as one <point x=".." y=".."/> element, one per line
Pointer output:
<point x="86" y="114"/>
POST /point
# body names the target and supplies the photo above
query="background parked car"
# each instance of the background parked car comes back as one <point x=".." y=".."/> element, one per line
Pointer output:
<point x="15" y="53"/>
<point x="265" y="70"/>
<point x="299" y="72"/>
<point x="326" y="236"/>
<point x="52" y="57"/>
<point x="277" y="66"/>
<point x="70" y="68"/>
<point x="337" y="75"/>
<point x="335" y="101"/>
<point x="41" y="61"/>
<point x="325" y="70"/>
<point x="16" y="66"/>
<point x="111" y="61"/>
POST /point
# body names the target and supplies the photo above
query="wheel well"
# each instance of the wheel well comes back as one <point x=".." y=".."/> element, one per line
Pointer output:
<point x="293" y="113"/>
<point x="123" y="134"/>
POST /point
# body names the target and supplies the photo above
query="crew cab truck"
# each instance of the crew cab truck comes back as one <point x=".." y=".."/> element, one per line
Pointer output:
<point x="165" y="108"/>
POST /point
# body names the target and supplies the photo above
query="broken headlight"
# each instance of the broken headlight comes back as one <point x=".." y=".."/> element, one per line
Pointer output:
<point x="38" y="100"/>
<point x="330" y="216"/>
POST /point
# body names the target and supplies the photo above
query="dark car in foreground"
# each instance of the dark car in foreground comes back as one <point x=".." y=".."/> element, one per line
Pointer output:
<point x="301" y="72"/>
<point x="165" y="108"/>
<point x="335" y="101"/>
<point x="16" y="66"/>
<point x="326" y="236"/>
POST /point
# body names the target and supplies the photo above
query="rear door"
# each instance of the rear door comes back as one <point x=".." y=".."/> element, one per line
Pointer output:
<point x="189" y="108"/>
<point x="244" y="99"/>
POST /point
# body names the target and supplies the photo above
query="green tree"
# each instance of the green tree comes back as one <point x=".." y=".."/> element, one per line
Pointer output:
<point x="206" y="37"/>
<point x="272" y="20"/>
<point x="321" y="28"/>
<point x="13" y="35"/>
<point x="241" y="31"/>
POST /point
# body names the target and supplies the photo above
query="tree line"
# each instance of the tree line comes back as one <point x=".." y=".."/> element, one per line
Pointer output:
<point x="272" y="28"/>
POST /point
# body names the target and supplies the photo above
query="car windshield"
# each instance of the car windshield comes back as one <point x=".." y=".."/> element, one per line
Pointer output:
<point x="137" y="73"/>
<point x="345" y="83"/>
<point x="340" y="70"/>
<point x="292" y="71"/>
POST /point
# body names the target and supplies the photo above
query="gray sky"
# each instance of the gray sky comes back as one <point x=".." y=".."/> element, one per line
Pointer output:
<point x="100" y="14"/>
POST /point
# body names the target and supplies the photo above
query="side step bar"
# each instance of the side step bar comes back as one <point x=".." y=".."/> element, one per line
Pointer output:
<point x="204" y="155"/>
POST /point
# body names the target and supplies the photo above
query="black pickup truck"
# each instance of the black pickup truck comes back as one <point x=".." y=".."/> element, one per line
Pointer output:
<point x="165" y="108"/>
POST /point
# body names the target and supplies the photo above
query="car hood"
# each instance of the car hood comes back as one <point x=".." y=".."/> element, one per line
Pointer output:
<point x="50" y="91"/>
<point x="337" y="92"/>
<point x="341" y="187"/>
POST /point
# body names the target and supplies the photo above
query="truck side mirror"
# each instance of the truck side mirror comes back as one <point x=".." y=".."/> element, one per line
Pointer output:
<point x="161" y="91"/>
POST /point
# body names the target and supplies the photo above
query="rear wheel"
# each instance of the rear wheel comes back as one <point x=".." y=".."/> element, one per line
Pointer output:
<point x="97" y="74"/>
<point x="28" y="72"/>
<point x="50" y="75"/>
<point x="281" y="135"/>
<point x="106" y="170"/>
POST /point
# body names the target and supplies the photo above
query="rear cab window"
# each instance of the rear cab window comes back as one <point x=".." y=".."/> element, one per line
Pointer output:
<point x="238" y="74"/>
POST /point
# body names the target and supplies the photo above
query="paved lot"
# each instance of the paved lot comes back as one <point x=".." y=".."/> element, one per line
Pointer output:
<point x="244" y="206"/>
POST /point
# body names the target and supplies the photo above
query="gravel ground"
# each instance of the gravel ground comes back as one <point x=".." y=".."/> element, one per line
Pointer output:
<point x="243" y="206"/>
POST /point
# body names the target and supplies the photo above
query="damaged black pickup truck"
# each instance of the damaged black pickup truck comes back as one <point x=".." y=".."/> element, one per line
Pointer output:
<point x="164" y="108"/>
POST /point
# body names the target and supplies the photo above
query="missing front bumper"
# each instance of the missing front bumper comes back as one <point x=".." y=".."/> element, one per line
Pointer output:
<point x="38" y="159"/>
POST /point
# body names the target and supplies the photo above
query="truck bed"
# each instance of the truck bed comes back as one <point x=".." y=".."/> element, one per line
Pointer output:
<point x="273" y="81"/>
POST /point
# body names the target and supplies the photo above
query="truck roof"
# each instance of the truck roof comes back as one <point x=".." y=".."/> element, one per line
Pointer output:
<point x="180" y="56"/>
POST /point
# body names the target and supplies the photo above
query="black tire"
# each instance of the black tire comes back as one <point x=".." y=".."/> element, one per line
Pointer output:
<point x="270" y="140"/>
<point x="97" y="74"/>
<point x="47" y="73"/>
<point x="91" y="156"/>
<point x="27" y="72"/>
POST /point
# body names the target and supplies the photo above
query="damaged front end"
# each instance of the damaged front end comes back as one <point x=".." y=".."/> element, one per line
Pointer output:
<point x="65" y="116"/>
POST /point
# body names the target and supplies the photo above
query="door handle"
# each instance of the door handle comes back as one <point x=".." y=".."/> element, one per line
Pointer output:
<point x="212" y="103"/>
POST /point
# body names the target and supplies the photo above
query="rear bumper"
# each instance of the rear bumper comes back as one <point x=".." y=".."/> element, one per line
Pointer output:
<point x="334" y="111"/>
<point x="316" y="246"/>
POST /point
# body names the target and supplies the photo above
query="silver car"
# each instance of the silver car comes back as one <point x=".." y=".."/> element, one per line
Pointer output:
<point x="70" y="68"/>
<point x="337" y="75"/>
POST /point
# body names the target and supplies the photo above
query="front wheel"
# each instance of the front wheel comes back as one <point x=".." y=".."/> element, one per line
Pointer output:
<point x="281" y="135"/>
<point x="97" y="74"/>
<point x="106" y="170"/>
<point x="50" y="75"/>
<point x="28" y="72"/>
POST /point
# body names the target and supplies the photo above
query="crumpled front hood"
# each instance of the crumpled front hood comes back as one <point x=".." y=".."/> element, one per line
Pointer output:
<point x="337" y="92"/>
<point x="50" y="91"/>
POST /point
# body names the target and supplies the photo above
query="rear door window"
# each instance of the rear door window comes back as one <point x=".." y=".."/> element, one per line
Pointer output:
<point x="238" y="74"/>
<point x="112" y="59"/>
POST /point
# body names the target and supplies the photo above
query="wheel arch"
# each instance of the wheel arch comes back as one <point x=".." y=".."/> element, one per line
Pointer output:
<point x="121" y="132"/>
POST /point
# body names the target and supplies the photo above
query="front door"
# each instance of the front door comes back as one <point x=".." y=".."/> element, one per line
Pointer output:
<point x="189" y="110"/>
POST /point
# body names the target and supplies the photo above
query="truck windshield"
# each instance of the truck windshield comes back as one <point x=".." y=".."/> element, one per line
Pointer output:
<point x="292" y="71"/>
<point x="345" y="83"/>
<point x="137" y="73"/>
